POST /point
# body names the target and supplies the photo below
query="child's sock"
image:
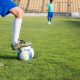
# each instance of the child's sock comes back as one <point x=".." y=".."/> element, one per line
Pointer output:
<point x="16" y="30"/>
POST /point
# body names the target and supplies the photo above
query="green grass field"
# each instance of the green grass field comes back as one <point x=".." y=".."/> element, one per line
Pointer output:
<point x="57" y="49"/>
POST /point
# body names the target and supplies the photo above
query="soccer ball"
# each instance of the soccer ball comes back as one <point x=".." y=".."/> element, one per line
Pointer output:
<point x="25" y="53"/>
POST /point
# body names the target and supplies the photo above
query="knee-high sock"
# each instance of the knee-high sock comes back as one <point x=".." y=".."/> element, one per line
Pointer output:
<point x="16" y="30"/>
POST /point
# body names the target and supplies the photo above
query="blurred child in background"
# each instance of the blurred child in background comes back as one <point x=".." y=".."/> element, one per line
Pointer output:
<point x="50" y="11"/>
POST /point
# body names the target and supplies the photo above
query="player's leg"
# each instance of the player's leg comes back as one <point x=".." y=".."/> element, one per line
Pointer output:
<point x="6" y="7"/>
<point x="18" y="13"/>
<point x="49" y="18"/>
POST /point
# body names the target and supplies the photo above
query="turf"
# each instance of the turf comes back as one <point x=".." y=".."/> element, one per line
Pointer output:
<point x="57" y="49"/>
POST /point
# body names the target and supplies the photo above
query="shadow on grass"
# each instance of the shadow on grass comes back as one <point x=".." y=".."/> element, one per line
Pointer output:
<point x="8" y="57"/>
<point x="74" y="23"/>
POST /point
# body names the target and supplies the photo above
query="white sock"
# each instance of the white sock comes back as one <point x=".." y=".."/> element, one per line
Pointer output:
<point x="16" y="30"/>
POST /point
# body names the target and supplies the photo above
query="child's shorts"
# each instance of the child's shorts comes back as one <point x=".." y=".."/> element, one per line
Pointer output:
<point x="50" y="14"/>
<point x="5" y="6"/>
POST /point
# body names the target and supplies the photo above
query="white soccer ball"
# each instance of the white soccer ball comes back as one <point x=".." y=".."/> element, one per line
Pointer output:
<point x="25" y="53"/>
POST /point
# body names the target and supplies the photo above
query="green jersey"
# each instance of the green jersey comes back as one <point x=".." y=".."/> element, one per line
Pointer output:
<point x="50" y="7"/>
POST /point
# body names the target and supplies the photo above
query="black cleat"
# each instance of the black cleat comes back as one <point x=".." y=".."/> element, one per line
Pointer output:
<point x="20" y="44"/>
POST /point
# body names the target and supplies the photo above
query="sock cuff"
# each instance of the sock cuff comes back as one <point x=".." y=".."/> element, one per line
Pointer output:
<point x="18" y="19"/>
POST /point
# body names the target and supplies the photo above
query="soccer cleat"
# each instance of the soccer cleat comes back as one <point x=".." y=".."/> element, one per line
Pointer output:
<point x="49" y="23"/>
<point x="20" y="44"/>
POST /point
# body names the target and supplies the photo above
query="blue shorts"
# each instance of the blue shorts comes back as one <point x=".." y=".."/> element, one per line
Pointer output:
<point x="50" y="14"/>
<point x="5" y="6"/>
